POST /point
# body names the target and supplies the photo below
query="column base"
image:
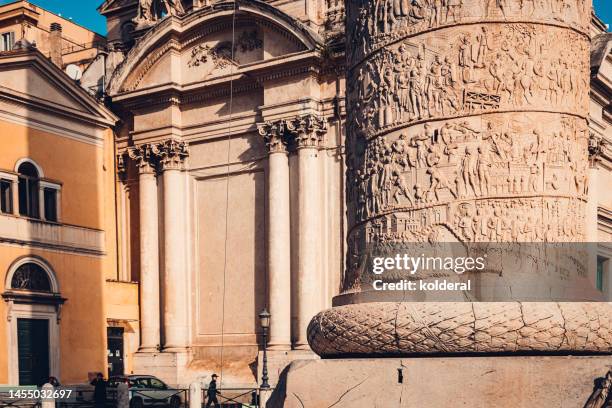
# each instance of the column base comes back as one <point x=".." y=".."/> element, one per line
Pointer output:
<point x="170" y="367"/>
<point x="173" y="349"/>
<point x="279" y="347"/>
<point x="148" y="350"/>
<point x="436" y="382"/>
<point x="409" y="328"/>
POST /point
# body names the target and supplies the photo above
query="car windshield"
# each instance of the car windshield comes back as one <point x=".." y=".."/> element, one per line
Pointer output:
<point x="156" y="383"/>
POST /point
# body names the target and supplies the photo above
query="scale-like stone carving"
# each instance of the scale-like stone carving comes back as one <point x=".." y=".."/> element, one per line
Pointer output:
<point x="466" y="123"/>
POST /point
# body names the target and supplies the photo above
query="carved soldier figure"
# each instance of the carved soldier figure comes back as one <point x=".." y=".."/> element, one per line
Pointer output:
<point x="145" y="12"/>
<point x="434" y="85"/>
<point x="403" y="85"/>
<point x="438" y="181"/>
<point x="416" y="91"/>
<point x="452" y="9"/>
<point x="435" y="11"/>
<point x="421" y="142"/>
<point x="483" y="48"/>
<point x="400" y="187"/>
<point x="469" y="169"/>
<point x="174" y="7"/>
<point x="484" y="169"/>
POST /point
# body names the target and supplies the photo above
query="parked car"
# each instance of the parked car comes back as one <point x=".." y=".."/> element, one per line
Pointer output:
<point x="147" y="391"/>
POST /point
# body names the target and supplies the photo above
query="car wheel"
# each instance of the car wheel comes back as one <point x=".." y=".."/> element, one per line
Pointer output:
<point x="175" y="402"/>
<point x="136" y="403"/>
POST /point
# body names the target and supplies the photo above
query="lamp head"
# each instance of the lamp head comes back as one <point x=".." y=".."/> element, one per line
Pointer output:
<point x="264" y="319"/>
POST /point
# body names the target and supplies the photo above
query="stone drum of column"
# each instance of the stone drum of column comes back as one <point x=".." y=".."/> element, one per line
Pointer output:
<point x="467" y="123"/>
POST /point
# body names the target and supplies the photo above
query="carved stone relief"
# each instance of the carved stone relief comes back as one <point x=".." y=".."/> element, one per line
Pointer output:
<point x="209" y="56"/>
<point x="466" y="124"/>
<point x="152" y="157"/>
<point x="468" y="71"/>
<point x="375" y="24"/>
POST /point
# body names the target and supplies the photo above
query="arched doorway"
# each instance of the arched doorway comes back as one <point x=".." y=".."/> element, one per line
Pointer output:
<point x="34" y="305"/>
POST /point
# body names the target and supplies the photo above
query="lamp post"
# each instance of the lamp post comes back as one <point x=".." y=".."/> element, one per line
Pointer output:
<point x="264" y="319"/>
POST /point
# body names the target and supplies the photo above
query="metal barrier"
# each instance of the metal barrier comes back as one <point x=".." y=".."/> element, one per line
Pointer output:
<point x="9" y="399"/>
<point x="234" y="397"/>
<point x="84" y="398"/>
<point x="175" y="398"/>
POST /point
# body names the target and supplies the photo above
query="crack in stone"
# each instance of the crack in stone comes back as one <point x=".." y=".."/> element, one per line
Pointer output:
<point x="347" y="391"/>
<point x="299" y="399"/>
<point x="563" y="320"/>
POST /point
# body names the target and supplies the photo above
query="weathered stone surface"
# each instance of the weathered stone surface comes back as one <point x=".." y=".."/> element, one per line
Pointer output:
<point x="478" y="382"/>
<point x="406" y="328"/>
<point x="466" y="123"/>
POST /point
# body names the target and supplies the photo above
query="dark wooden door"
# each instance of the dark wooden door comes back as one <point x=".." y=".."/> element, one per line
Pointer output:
<point x="33" y="349"/>
<point x="114" y="338"/>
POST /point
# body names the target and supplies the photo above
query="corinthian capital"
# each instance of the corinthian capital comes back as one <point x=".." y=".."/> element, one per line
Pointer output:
<point x="171" y="154"/>
<point x="144" y="157"/>
<point x="307" y="130"/>
<point x="274" y="136"/>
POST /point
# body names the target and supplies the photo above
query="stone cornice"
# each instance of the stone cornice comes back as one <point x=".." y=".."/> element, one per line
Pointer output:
<point x="247" y="78"/>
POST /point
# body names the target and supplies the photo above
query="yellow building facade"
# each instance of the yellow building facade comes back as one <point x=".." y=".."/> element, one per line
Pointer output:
<point x="57" y="226"/>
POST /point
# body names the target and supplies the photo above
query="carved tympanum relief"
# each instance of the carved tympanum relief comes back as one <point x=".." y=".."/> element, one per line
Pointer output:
<point x="221" y="54"/>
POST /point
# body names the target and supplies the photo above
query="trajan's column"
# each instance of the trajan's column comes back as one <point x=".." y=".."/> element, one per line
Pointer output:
<point x="467" y="124"/>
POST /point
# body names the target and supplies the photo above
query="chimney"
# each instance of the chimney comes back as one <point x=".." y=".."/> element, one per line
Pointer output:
<point x="55" y="44"/>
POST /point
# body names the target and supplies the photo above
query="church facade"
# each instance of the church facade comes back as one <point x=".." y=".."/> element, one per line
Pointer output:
<point x="231" y="178"/>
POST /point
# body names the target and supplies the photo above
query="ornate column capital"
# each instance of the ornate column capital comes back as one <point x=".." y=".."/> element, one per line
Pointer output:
<point x="144" y="157"/>
<point x="171" y="154"/>
<point x="307" y="130"/>
<point x="274" y="134"/>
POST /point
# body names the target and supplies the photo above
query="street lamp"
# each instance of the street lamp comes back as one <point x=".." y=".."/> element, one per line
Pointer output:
<point x="264" y="320"/>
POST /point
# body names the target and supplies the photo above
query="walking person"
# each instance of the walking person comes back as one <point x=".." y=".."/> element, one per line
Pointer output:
<point x="212" y="392"/>
<point x="99" y="391"/>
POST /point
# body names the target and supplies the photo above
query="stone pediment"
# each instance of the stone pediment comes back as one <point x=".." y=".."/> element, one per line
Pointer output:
<point x="28" y="79"/>
<point x="109" y="5"/>
<point x="198" y="46"/>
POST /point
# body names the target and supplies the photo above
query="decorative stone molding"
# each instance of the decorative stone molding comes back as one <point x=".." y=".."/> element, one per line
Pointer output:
<point x="121" y="166"/>
<point x="144" y="156"/>
<point x="399" y="328"/>
<point x="308" y="131"/>
<point x="171" y="154"/>
<point x="599" y="149"/>
<point x="274" y="134"/>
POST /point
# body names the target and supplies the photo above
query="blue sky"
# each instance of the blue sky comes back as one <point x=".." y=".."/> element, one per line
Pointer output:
<point x="603" y="8"/>
<point x="84" y="11"/>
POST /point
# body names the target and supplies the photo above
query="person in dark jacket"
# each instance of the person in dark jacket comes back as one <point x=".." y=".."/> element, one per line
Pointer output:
<point x="54" y="381"/>
<point x="99" y="391"/>
<point x="212" y="392"/>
